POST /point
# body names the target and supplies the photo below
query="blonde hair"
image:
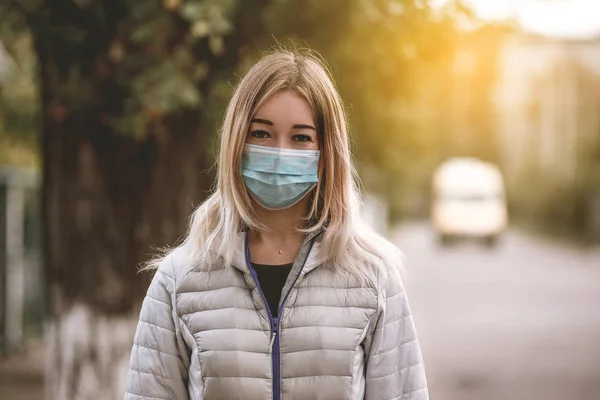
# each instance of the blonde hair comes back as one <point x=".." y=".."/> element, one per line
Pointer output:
<point x="347" y="243"/>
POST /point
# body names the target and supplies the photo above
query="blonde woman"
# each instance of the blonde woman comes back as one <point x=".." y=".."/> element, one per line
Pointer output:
<point x="279" y="290"/>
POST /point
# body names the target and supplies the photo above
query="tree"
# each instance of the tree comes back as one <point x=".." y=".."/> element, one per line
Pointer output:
<point x="18" y="101"/>
<point x="389" y="59"/>
<point x="127" y="94"/>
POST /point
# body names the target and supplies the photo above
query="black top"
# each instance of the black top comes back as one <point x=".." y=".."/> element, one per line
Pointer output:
<point x="271" y="279"/>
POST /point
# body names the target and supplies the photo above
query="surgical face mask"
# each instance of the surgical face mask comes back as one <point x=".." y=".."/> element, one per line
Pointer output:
<point x="279" y="178"/>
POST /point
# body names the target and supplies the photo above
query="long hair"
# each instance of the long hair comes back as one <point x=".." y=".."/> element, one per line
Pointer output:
<point x="347" y="243"/>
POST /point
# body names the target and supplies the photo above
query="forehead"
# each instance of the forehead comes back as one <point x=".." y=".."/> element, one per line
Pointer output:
<point x="286" y="106"/>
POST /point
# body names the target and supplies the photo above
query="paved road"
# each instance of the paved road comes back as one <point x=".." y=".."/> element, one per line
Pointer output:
<point x="520" y="322"/>
<point x="22" y="375"/>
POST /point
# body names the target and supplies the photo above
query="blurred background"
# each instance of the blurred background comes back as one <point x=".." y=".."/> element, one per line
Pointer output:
<point x="476" y="133"/>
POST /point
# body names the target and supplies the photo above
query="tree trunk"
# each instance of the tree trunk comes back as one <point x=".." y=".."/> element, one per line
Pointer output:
<point x="108" y="202"/>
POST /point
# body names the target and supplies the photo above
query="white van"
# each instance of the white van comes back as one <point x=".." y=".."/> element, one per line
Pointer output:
<point x="468" y="201"/>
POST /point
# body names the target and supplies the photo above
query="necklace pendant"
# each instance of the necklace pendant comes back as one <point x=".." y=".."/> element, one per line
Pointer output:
<point x="280" y="251"/>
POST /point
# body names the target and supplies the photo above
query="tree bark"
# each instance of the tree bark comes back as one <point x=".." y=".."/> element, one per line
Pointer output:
<point x="109" y="201"/>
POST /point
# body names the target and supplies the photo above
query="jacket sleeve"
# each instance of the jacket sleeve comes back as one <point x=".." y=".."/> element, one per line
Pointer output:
<point x="394" y="364"/>
<point x="158" y="364"/>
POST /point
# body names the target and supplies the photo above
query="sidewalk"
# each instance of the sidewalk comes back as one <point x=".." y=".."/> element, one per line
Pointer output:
<point x="22" y="375"/>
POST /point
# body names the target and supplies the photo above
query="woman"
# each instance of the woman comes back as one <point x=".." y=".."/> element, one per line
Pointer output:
<point x="279" y="290"/>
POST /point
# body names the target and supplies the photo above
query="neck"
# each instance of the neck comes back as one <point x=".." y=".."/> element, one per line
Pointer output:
<point x="282" y="225"/>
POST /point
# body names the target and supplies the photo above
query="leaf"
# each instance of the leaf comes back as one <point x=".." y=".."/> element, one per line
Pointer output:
<point x="143" y="33"/>
<point x="68" y="34"/>
<point x="201" y="72"/>
<point x="7" y="65"/>
<point x="171" y="5"/>
<point x="200" y="29"/>
<point x="140" y="10"/>
<point x="82" y="3"/>
<point x="194" y="11"/>
<point x="130" y="124"/>
<point x="216" y="45"/>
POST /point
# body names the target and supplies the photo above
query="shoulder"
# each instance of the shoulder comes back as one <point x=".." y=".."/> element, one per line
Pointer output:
<point x="176" y="265"/>
<point x="390" y="273"/>
<point x="384" y="262"/>
<point x="391" y="280"/>
<point x="384" y="276"/>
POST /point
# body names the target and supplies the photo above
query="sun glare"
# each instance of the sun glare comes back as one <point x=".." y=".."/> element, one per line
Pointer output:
<point x="558" y="18"/>
<point x="565" y="18"/>
<point x="494" y="9"/>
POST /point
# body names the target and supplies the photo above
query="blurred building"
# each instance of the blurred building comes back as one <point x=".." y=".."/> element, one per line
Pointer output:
<point x="547" y="110"/>
<point x="473" y="72"/>
<point x="548" y="99"/>
<point x="21" y="277"/>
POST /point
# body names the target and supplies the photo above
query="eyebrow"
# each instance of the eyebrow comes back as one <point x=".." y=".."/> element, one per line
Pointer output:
<point x="270" y="123"/>
<point x="302" y="126"/>
<point x="262" y="121"/>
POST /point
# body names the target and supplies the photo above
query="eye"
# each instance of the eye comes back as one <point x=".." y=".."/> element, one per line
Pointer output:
<point x="259" y="134"/>
<point x="302" y="138"/>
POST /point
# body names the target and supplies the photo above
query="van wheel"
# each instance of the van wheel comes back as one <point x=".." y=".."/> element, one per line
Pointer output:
<point x="491" y="241"/>
<point x="445" y="240"/>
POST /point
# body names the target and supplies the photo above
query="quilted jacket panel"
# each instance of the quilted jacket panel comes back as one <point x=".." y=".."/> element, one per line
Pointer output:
<point x="206" y="334"/>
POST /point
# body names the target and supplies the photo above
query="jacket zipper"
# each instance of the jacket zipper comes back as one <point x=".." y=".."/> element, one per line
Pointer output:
<point x="274" y="321"/>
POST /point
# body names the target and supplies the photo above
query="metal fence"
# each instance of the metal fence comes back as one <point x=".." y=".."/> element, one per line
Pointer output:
<point x="21" y="275"/>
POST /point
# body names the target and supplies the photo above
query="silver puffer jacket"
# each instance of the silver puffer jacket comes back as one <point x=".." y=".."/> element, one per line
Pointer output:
<point x="207" y="334"/>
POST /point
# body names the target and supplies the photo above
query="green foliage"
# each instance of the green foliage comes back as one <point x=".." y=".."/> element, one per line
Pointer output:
<point x="393" y="61"/>
<point x="159" y="57"/>
<point x="19" y="104"/>
<point x="390" y="60"/>
<point x="161" y="54"/>
<point x="174" y="55"/>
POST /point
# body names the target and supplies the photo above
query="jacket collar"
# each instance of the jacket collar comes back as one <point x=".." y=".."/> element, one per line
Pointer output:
<point x="241" y="256"/>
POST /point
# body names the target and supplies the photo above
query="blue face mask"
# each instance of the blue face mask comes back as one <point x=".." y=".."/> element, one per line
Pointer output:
<point x="279" y="178"/>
